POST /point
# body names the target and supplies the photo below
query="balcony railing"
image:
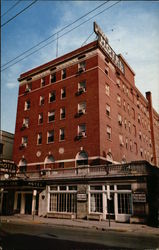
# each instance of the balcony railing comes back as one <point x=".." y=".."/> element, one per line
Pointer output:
<point x="88" y="171"/>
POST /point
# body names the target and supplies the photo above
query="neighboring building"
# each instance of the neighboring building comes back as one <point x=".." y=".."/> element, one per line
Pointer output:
<point x="6" y="145"/>
<point x="81" y="123"/>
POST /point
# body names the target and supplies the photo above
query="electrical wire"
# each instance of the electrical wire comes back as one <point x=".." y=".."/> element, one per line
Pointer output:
<point x="54" y="34"/>
<point x="62" y="35"/>
<point x="18" y="13"/>
<point x="11" y="8"/>
<point x="87" y="38"/>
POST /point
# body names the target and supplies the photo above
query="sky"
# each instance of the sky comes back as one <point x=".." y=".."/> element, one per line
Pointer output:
<point x="131" y="27"/>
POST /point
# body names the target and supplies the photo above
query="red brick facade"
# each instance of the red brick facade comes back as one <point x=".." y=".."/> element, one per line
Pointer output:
<point x="119" y="123"/>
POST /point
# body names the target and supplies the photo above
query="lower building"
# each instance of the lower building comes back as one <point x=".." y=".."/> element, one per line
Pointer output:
<point x="125" y="193"/>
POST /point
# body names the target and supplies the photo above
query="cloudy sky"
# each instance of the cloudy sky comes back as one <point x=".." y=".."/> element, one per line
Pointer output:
<point x="135" y="35"/>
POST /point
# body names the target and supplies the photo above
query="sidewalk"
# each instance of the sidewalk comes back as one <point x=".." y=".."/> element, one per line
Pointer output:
<point x="98" y="225"/>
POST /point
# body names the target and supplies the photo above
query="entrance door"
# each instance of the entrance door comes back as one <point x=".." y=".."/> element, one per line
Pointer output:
<point x="28" y="203"/>
<point x="110" y="206"/>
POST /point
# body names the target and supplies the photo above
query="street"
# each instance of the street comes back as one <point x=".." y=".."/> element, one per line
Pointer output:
<point x="49" y="237"/>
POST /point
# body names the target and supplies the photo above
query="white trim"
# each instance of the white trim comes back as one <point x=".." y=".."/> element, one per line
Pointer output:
<point x="59" y="67"/>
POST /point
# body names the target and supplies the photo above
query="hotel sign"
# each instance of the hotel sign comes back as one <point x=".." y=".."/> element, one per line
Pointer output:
<point x="6" y="165"/>
<point x="139" y="197"/>
<point x="103" y="41"/>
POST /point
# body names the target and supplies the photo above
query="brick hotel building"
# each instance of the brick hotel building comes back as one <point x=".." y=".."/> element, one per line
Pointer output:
<point x="86" y="140"/>
<point x="82" y="107"/>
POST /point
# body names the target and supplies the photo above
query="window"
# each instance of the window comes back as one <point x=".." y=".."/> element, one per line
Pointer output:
<point x="41" y="102"/>
<point x="62" y="113"/>
<point x="127" y="91"/>
<point x="40" y="118"/>
<point x="126" y="143"/>
<point x="81" y="87"/>
<point x="51" y="116"/>
<point x="124" y="105"/>
<point x="125" y="123"/>
<point x="82" y="66"/>
<point x="53" y="77"/>
<point x="39" y="138"/>
<point x="139" y="118"/>
<point x="24" y="141"/>
<point x="63" y="73"/>
<point x="96" y="202"/>
<point x="82" y="130"/>
<point x="63" y="93"/>
<point x="120" y="119"/>
<point x="129" y="125"/>
<point x="106" y="70"/>
<point x="130" y="145"/>
<point x="50" y="136"/>
<point x="61" y="164"/>
<point x="141" y="152"/>
<point x="27" y="105"/>
<point x="43" y="82"/>
<point x="119" y="100"/>
<point x="62" y="134"/>
<point x="134" y="130"/>
<point x="107" y="110"/>
<point x="108" y="132"/>
<point x="128" y="109"/>
<point x="124" y="203"/>
<point x="25" y="122"/>
<point x="140" y="137"/>
<point x="133" y="113"/>
<point x="82" y="108"/>
<point x="52" y="96"/>
<point x="28" y="87"/>
<point x="118" y="82"/>
<point x="135" y="146"/>
<point x="107" y="89"/>
<point x="121" y="140"/>
<point x="63" y="202"/>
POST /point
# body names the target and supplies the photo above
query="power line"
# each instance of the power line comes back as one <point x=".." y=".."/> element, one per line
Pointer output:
<point x="10" y="8"/>
<point x="19" y="13"/>
<point x="87" y="38"/>
<point x="54" y="34"/>
<point x="61" y="35"/>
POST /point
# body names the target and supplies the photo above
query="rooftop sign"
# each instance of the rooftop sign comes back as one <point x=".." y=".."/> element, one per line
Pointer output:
<point x="103" y="41"/>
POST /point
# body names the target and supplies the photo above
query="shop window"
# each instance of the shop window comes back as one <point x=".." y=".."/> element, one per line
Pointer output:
<point x="124" y="203"/>
<point x="96" y="202"/>
<point x="63" y="202"/>
<point x="95" y="187"/>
